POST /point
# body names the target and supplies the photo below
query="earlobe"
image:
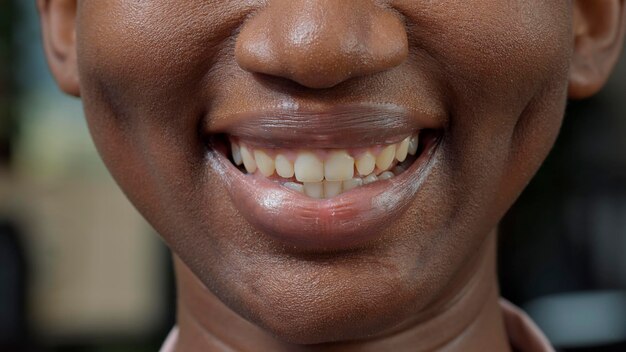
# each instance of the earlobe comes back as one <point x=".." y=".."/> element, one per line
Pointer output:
<point x="58" y="26"/>
<point x="598" y="37"/>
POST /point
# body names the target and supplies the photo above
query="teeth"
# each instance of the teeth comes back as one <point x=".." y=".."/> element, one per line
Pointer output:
<point x="234" y="147"/>
<point x="314" y="189"/>
<point x="331" y="188"/>
<point x="328" y="176"/>
<point x="386" y="156"/>
<point x="264" y="163"/>
<point x="284" y="167"/>
<point x="339" y="166"/>
<point x="353" y="183"/>
<point x="386" y="175"/>
<point x="308" y="168"/>
<point x="248" y="159"/>
<point x="403" y="149"/>
<point x="366" y="163"/>
<point x="370" y="179"/>
<point x="413" y="143"/>
<point x="298" y="187"/>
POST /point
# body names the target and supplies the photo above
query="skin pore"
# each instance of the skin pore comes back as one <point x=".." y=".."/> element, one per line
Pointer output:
<point x="158" y="78"/>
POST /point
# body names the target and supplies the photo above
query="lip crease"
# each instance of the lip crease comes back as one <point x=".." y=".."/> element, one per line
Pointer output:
<point x="351" y="219"/>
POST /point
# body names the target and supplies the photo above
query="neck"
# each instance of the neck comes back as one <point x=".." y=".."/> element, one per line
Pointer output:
<point x="467" y="318"/>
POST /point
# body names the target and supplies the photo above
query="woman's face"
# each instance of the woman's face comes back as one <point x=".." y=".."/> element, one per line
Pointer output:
<point x="166" y="84"/>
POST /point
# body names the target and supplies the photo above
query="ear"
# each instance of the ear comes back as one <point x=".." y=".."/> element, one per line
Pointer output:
<point x="599" y="27"/>
<point x="58" y="26"/>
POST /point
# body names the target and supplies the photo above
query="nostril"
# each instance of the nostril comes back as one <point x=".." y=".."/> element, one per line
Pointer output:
<point x="323" y="43"/>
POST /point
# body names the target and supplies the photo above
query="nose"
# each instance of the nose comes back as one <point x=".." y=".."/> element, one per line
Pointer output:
<point x="321" y="43"/>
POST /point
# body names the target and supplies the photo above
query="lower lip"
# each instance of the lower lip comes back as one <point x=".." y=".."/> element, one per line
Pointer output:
<point x="350" y="220"/>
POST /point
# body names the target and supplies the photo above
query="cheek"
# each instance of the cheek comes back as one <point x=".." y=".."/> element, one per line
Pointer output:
<point x="506" y="64"/>
<point x="481" y="40"/>
<point x="505" y="67"/>
<point x="140" y="67"/>
<point x="493" y="55"/>
<point x="157" y="52"/>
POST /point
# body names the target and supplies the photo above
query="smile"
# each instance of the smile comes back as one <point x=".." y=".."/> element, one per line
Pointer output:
<point x="325" y="173"/>
<point x="316" y="185"/>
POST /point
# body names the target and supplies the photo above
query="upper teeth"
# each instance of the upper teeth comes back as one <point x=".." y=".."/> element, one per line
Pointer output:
<point x="308" y="168"/>
<point x="335" y="168"/>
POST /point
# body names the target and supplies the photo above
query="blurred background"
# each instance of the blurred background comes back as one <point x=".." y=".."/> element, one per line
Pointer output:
<point x="80" y="270"/>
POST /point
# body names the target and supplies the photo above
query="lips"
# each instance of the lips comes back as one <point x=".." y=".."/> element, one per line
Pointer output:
<point x="292" y="213"/>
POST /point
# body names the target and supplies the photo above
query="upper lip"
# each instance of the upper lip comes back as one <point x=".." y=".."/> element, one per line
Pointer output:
<point x="337" y="126"/>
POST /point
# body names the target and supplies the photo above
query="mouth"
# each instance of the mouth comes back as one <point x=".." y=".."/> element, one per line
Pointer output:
<point x="324" y="181"/>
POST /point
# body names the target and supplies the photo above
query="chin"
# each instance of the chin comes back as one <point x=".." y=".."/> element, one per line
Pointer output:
<point x="307" y="315"/>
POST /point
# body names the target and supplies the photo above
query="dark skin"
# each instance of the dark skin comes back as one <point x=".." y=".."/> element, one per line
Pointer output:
<point x="498" y="73"/>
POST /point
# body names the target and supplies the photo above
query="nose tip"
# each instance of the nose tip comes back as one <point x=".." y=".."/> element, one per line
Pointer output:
<point x="322" y="43"/>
